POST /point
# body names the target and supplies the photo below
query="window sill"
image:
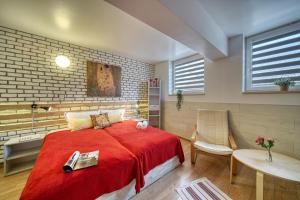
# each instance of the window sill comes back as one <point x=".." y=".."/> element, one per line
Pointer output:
<point x="190" y="94"/>
<point x="270" y="92"/>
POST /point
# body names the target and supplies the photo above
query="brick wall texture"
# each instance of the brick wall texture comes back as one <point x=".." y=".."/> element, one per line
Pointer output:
<point x="28" y="73"/>
<point x="28" y="70"/>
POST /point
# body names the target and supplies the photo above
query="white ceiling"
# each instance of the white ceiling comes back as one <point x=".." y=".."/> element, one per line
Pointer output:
<point x="206" y="25"/>
<point x="251" y="16"/>
<point x="91" y="23"/>
<point x="202" y="25"/>
<point x="175" y="18"/>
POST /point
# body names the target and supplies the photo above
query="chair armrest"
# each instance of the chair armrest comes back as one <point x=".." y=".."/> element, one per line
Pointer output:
<point x="232" y="142"/>
<point x="194" y="135"/>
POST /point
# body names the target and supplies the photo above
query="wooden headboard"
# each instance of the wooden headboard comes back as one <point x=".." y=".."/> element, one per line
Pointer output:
<point x="19" y="116"/>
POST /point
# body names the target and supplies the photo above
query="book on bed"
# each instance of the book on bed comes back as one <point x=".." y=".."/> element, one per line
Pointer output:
<point x="80" y="161"/>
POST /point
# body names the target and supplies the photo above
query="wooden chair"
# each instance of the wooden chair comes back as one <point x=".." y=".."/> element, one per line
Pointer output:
<point x="213" y="136"/>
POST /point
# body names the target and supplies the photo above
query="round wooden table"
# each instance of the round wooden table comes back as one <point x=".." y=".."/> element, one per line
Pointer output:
<point x="282" y="166"/>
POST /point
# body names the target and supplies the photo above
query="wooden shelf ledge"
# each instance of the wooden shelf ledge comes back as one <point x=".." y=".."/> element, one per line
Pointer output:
<point x="23" y="153"/>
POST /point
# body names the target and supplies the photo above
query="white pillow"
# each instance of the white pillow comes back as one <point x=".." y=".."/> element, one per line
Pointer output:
<point x="81" y="116"/>
<point x="114" y="116"/>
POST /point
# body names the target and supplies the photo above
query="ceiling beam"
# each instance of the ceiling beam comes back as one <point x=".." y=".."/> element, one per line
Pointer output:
<point x="185" y="21"/>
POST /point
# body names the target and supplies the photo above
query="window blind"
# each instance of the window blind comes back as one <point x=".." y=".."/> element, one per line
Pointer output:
<point x="273" y="55"/>
<point x="189" y="75"/>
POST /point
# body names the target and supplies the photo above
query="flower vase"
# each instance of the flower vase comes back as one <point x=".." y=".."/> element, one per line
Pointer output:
<point x="269" y="155"/>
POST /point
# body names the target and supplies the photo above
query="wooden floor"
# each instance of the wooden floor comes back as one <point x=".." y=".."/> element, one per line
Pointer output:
<point x="215" y="169"/>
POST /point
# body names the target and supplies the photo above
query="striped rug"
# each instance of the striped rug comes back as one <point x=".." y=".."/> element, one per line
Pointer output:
<point x="201" y="189"/>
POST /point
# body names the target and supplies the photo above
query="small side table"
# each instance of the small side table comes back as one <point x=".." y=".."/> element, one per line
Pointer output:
<point x="21" y="153"/>
<point x="282" y="166"/>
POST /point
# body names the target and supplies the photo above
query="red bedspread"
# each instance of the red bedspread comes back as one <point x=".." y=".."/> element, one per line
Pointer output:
<point x="116" y="168"/>
<point x="152" y="146"/>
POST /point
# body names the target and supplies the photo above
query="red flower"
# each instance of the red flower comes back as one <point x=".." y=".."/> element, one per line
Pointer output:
<point x="259" y="140"/>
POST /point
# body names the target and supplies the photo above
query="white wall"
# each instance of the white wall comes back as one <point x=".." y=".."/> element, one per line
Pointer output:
<point x="223" y="82"/>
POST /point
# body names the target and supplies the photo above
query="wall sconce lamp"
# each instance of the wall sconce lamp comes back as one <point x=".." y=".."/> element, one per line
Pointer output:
<point x="62" y="61"/>
<point x="34" y="106"/>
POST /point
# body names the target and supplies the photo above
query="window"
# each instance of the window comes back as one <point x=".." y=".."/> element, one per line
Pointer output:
<point x="187" y="74"/>
<point x="272" y="55"/>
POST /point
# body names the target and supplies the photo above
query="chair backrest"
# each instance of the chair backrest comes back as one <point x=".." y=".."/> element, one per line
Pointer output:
<point x="212" y="126"/>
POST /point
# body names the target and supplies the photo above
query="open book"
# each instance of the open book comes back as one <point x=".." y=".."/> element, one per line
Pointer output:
<point x="79" y="161"/>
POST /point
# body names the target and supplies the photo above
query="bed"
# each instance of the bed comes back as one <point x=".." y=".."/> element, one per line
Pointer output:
<point x="48" y="181"/>
<point x="136" y="157"/>
<point x="152" y="146"/>
<point x="158" y="152"/>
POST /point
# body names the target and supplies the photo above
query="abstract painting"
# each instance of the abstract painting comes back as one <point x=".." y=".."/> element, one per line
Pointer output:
<point x="103" y="80"/>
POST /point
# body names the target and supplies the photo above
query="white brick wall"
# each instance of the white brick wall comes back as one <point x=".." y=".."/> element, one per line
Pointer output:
<point x="28" y="73"/>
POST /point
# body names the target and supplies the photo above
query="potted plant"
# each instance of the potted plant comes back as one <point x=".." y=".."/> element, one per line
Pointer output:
<point x="179" y="99"/>
<point x="267" y="145"/>
<point x="284" y="83"/>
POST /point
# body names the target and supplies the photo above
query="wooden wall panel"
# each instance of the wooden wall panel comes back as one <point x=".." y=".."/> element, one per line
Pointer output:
<point x="19" y="116"/>
<point x="247" y="121"/>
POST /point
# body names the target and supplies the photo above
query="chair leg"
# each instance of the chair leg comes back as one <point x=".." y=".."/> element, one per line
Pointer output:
<point x="196" y="156"/>
<point x="193" y="154"/>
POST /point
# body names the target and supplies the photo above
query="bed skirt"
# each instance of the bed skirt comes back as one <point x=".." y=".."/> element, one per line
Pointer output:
<point x="128" y="191"/>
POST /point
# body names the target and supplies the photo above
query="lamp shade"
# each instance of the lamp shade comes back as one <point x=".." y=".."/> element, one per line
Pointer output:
<point x="62" y="61"/>
<point x="46" y="108"/>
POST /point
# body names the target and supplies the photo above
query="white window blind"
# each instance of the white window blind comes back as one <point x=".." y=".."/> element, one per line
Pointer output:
<point x="188" y="74"/>
<point x="272" y="55"/>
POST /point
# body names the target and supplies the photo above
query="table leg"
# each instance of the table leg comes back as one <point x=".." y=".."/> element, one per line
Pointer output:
<point x="259" y="186"/>
<point x="232" y="167"/>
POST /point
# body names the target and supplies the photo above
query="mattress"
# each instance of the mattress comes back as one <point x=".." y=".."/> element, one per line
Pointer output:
<point x="128" y="191"/>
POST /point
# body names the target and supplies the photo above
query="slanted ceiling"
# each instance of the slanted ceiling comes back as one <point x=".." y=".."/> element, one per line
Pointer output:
<point x="149" y="30"/>
<point x="94" y="24"/>
<point x="176" y="18"/>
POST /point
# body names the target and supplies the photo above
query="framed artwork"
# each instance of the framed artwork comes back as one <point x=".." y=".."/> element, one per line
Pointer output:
<point x="103" y="80"/>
